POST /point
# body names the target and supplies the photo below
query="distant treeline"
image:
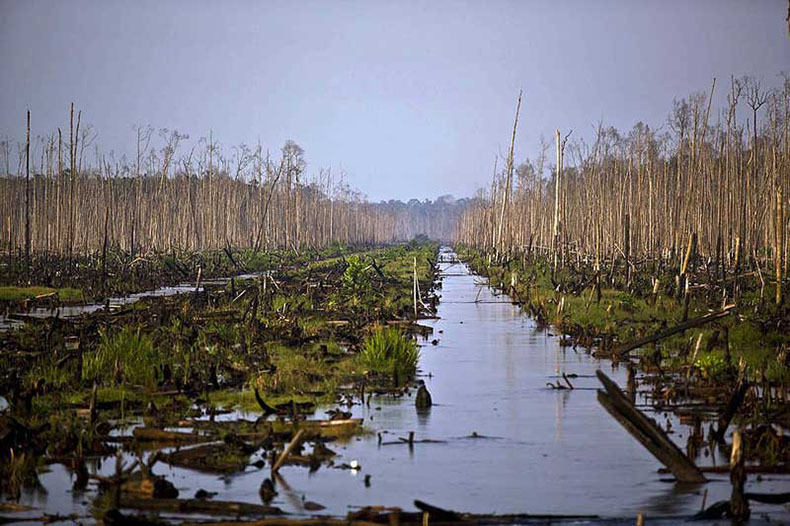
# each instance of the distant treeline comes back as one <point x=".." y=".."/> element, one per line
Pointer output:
<point x="58" y="201"/>
<point x="717" y="177"/>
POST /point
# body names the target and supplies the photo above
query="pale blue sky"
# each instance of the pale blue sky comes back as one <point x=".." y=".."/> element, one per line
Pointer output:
<point x="411" y="99"/>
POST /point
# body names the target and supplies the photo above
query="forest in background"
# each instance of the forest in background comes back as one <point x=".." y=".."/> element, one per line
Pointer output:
<point x="62" y="195"/>
<point x="717" y="176"/>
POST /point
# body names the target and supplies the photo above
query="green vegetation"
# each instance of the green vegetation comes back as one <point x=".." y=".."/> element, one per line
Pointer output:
<point x="295" y="334"/>
<point x="387" y="350"/>
<point x="626" y="313"/>
<point x="128" y="356"/>
<point x="11" y="293"/>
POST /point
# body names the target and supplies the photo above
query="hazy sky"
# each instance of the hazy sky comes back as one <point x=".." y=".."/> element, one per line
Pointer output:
<point x="411" y="99"/>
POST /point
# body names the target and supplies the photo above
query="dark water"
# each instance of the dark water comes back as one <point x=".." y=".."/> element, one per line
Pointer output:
<point x="508" y="443"/>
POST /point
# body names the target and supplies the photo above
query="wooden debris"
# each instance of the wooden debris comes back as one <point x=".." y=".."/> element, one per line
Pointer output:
<point x="694" y="322"/>
<point x="720" y="470"/>
<point x="437" y="514"/>
<point x="423" y="398"/>
<point x="208" y="507"/>
<point x="211" y="458"/>
<point x="324" y="428"/>
<point x="153" y="434"/>
<point x="295" y="442"/>
<point x="732" y="407"/>
<point x="647" y="432"/>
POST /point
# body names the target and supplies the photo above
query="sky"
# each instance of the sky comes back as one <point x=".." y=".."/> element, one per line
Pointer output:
<point x="410" y="99"/>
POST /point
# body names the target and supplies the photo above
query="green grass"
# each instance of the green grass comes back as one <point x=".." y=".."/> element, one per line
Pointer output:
<point x="9" y="293"/>
<point x="127" y="356"/>
<point x="389" y="351"/>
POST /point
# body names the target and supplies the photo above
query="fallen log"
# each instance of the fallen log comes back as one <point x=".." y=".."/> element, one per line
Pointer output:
<point x="324" y="428"/>
<point x="769" y="498"/>
<point x="208" y="507"/>
<point x="647" y="432"/>
<point x="433" y="515"/>
<point x="720" y="470"/>
<point x="210" y="458"/>
<point x="287" y="521"/>
<point x="153" y="434"/>
<point x="690" y="324"/>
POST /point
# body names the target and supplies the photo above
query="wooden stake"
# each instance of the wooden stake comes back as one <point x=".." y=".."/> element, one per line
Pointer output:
<point x="739" y="505"/>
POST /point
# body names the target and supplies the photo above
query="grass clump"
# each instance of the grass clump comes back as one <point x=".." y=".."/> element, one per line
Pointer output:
<point x="18" y="470"/>
<point x="128" y="356"/>
<point x="387" y="350"/>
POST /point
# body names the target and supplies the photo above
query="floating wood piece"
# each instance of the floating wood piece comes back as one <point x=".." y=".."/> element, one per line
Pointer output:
<point x="694" y="322"/>
<point x="324" y="428"/>
<point x="293" y="444"/>
<point x="647" y="432"/>
<point x="769" y="498"/>
<point x="779" y="469"/>
<point x="153" y="434"/>
<point x="288" y="521"/>
<point x="208" y="507"/>
<point x="223" y="458"/>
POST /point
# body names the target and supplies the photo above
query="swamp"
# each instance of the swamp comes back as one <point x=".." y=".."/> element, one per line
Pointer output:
<point x="193" y="333"/>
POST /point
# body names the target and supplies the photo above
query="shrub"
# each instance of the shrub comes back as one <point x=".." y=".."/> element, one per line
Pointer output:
<point x="128" y="356"/>
<point x="389" y="351"/>
<point x="711" y="366"/>
<point x="356" y="277"/>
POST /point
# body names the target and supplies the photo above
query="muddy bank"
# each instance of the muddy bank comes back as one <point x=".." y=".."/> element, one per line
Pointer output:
<point x="161" y="372"/>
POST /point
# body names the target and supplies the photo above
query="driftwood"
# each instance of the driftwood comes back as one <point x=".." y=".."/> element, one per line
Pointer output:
<point x="647" y="432"/>
<point x="778" y="469"/>
<point x="287" y="521"/>
<point x="430" y="514"/>
<point x="153" y="434"/>
<point x="324" y="428"/>
<point x="208" y="507"/>
<point x="769" y="498"/>
<point x="221" y="458"/>
<point x="690" y="324"/>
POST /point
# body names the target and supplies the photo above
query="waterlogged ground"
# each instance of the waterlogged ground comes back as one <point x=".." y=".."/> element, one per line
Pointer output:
<point x="116" y="302"/>
<point x="505" y="442"/>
